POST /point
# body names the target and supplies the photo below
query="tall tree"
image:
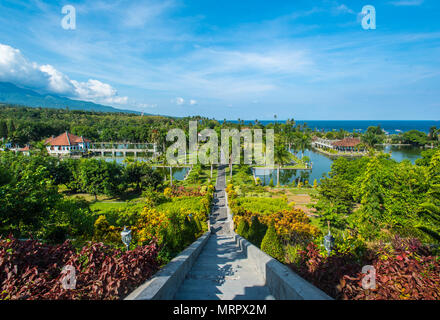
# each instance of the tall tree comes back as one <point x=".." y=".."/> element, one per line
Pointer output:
<point x="3" y="129"/>
<point x="281" y="157"/>
<point x="371" y="139"/>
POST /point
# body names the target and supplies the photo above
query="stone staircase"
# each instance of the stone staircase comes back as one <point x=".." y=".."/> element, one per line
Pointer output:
<point x="222" y="271"/>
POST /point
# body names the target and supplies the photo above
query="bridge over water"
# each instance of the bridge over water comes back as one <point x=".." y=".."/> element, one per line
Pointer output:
<point x="123" y="148"/>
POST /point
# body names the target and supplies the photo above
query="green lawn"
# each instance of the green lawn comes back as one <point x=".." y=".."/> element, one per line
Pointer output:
<point x="299" y="164"/>
<point x="185" y="203"/>
<point x="240" y="176"/>
<point x="104" y="206"/>
<point x="262" y="205"/>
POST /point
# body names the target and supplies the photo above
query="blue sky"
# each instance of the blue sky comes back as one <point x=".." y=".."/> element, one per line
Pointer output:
<point x="231" y="59"/>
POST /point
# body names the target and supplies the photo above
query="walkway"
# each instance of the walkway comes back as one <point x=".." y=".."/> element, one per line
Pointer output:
<point x="222" y="271"/>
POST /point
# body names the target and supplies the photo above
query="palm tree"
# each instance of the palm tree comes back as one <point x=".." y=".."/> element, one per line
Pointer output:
<point x="433" y="131"/>
<point x="370" y="139"/>
<point x="281" y="157"/>
<point x="303" y="143"/>
<point x="287" y="130"/>
<point x="230" y="157"/>
<point x="208" y="154"/>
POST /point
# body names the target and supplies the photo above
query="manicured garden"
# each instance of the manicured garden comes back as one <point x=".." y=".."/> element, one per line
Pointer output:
<point x="382" y="213"/>
<point x="55" y="213"/>
<point x="74" y="216"/>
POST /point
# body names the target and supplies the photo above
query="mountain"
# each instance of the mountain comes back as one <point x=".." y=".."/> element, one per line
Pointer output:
<point x="10" y="93"/>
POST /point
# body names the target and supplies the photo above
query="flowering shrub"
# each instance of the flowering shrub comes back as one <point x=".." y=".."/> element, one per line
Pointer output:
<point x="154" y="198"/>
<point x="350" y="242"/>
<point x="152" y="220"/>
<point x="258" y="205"/>
<point x="175" y="225"/>
<point x="167" y="192"/>
<point x="293" y="225"/>
<point x="184" y="192"/>
<point x="152" y="224"/>
<point x="32" y="270"/>
<point x="106" y="232"/>
<point x="230" y="191"/>
<point x="245" y="215"/>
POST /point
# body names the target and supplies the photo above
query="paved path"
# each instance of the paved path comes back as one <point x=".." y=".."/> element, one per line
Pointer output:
<point x="222" y="271"/>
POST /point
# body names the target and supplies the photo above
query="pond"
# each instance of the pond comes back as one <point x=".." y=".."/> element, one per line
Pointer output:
<point x="322" y="165"/>
<point x="400" y="153"/>
<point x="179" y="174"/>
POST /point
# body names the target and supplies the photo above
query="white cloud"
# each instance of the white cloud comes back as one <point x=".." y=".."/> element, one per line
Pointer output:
<point x="407" y="3"/>
<point x="277" y="60"/>
<point x="146" y="105"/>
<point x="179" y="101"/>
<point x="139" y="14"/>
<point x="58" y="82"/>
<point x="94" y="89"/>
<point x="284" y="60"/>
<point x="15" y="68"/>
<point x="344" y="9"/>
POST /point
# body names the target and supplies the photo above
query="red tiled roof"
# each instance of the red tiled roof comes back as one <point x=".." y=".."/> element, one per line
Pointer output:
<point x="347" y="142"/>
<point x="66" y="139"/>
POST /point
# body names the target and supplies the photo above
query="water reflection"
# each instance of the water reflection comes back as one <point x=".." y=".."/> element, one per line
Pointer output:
<point x="400" y="153"/>
<point x="179" y="174"/>
<point x="287" y="177"/>
<point x="322" y="165"/>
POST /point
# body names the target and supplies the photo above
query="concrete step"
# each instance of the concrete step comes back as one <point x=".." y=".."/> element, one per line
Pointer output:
<point x="222" y="270"/>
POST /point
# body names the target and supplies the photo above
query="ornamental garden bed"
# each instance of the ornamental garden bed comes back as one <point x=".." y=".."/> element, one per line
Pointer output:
<point x="34" y="271"/>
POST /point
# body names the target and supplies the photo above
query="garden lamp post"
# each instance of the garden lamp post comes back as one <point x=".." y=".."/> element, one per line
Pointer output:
<point x="329" y="241"/>
<point x="126" y="236"/>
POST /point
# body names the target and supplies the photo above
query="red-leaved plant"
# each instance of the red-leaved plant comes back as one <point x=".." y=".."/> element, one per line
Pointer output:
<point x="405" y="271"/>
<point x="32" y="270"/>
<point x="182" y="191"/>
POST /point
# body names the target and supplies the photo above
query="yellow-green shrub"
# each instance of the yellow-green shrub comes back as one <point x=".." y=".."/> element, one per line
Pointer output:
<point x="243" y="228"/>
<point x="105" y="232"/>
<point x="272" y="245"/>
<point x="292" y="225"/>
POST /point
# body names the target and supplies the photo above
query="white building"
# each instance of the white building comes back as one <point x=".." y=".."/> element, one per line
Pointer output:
<point x="66" y="144"/>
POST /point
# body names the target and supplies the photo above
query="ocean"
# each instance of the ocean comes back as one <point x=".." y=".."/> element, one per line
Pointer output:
<point x="390" y="126"/>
